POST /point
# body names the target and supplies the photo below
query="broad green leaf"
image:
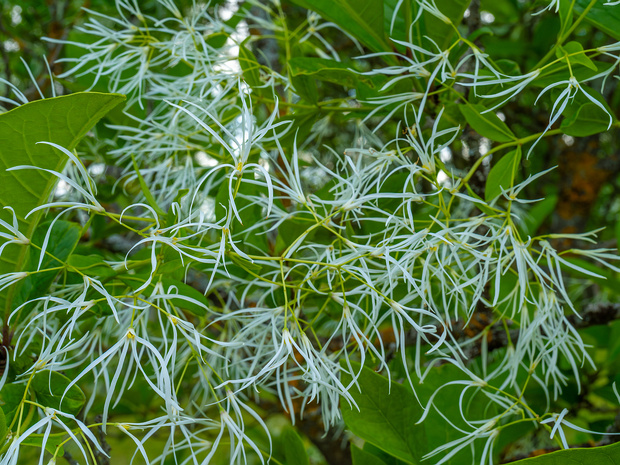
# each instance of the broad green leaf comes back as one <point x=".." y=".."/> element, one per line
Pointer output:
<point x="11" y="396"/>
<point x="607" y="455"/>
<point x="63" y="238"/>
<point x="325" y="70"/>
<point x="182" y="289"/>
<point x="305" y="87"/>
<point x="302" y="123"/>
<point x="502" y="175"/>
<point x="536" y="216"/>
<point x="574" y="51"/>
<point x="363" y="20"/>
<point x="502" y="10"/>
<point x="294" y="449"/>
<point x="3" y="426"/>
<point x="604" y="17"/>
<point x="362" y="457"/>
<point x="481" y="204"/>
<point x="249" y="66"/>
<point x="565" y="12"/>
<point x="386" y="417"/>
<point x="91" y="265"/>
<point x="386" y="458"/>
<point x="248" y="266"/>
<point x="53" y="444"/>
<point x="50" y="390"/>
<point x="482" y="31"/>
<point x="589" y="119"/>
<point x="486" y="124"/>
<point x="61" y="120"/>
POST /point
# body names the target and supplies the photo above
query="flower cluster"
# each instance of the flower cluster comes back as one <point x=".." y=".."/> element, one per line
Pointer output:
<point x="247" y="285"/>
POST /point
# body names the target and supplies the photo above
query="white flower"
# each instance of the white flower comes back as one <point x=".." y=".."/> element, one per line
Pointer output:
<point x="15" y="237"/>
<point x="572" y="87"/>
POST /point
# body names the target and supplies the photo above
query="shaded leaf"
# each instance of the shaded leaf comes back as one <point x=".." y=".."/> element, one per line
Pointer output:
<point x="3" y="426"/>
<point x="486" y="124"/>
<point x="91" y="265"/>
<point x="325" y="70"/>
<point x="53" y="444"/>
<point x="294" y="450"/>
<point x="146" y="191"/>
<point x="363" y="20"/>
<point x="362" y="457"/>
<point x="62" y="241"/>
<point x="565" y="12"/>
<point x="386" y="417"/>
<point x="606" y="18"/>
<point x="589" y="119"/>
<point x="11" y="396"/>
<point x="536" y="216"/>
<point x="574" y="51"/>
<point x="50" y="388"/>
<point x="249" y="66"/>
<point x="607" y="455"/>
<point x="305" y="87"/>
<point x="502" y="175"/>
<point x="182" y="289"/>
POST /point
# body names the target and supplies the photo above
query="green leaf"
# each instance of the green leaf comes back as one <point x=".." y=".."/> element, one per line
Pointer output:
<point x="361" y="457"/>
<point x="199" y="309"/>
<point x="565" y="12"/>
<point x="91" y="265"/>
<point x="486" y="124"/>
<point x="11" y="397"/>
<point x="294" y="449"/>
<point x="574" y="51"/>
<point x="534" y="218"/>
<point x="305" y="87"/>
<point x="325" y="70"/>
<point x="589" y="119"/>
<point x="481" y="205"/>
<point x="363" y="20"/>
<point x="607" y="455"/>
<point x="248" y="266"/>
<point x="3" y="427"/>
<point x="53" y="444"/>
<point x="62" y="241"/>
<point x="502" y="175"/>
<point x="61" y="120"/>
<point x="605" y="18"/>
<point x="50" y="390"/>
<point x="249" y="66"/>
<point x="302" y="123"/>
<point x="386" y="417"/>
<point x="146" y="191"/>
<point x="503" y="10"/>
